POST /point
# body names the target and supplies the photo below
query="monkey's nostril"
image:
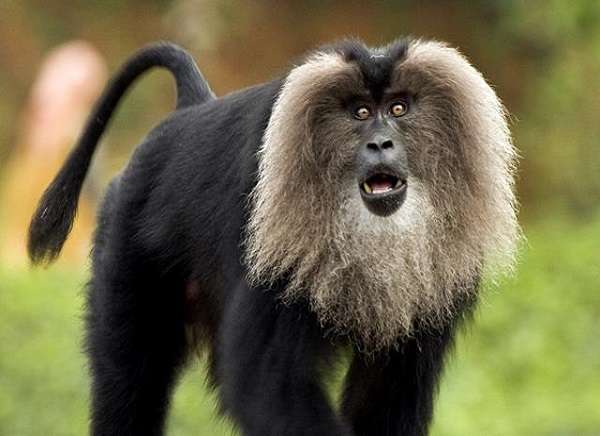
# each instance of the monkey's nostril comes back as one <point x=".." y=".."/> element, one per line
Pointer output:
<point x="378" y="146"/>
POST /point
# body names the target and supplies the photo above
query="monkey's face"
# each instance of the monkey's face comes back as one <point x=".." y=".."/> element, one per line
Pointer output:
<point x="357" y="143"/>
<point x="384" y="188"/>
<point x="379" y="127"/>
<point x="381" y="158"/>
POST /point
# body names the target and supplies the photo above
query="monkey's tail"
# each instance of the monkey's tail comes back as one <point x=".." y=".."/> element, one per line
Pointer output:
<point x="53" y="219"/>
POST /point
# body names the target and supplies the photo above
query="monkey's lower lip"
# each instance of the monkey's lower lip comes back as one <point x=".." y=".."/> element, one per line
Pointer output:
<point x="383" y="193"/>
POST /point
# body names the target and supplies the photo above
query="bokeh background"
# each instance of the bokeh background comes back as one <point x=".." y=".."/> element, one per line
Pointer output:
<point x="530" y="363"/>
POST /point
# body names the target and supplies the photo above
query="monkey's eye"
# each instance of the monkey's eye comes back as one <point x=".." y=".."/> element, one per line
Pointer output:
<point x="399" y="108"/>
<point x="362" y="113"/>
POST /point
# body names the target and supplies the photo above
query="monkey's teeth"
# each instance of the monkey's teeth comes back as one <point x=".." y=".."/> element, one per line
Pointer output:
<point x="381" y="189"/>
<point x="367" y="188"/>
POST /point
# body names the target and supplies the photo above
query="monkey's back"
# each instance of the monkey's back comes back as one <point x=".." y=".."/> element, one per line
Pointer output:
<point x="181" y="200"/>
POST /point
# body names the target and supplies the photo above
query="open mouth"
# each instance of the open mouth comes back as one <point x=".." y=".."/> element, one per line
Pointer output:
<point x="381" y="183"/>
<point x="383" y="192"/>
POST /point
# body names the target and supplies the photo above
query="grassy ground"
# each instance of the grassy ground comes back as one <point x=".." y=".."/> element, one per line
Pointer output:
<point x="530" y="364"/>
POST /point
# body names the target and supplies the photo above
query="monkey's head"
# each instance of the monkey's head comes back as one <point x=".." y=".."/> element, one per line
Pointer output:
<point x="385" y="188"/>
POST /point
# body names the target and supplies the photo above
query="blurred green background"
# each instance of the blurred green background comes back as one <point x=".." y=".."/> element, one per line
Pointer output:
<point x="528" y="365"/>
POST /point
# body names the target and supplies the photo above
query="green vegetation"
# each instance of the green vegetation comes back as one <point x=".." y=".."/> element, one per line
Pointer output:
<point x="528" y="366"/>
<point x="530" y="363"/>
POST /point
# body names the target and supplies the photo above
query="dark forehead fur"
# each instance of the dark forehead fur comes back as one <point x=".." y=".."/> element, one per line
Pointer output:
<point x="375" y="64"/>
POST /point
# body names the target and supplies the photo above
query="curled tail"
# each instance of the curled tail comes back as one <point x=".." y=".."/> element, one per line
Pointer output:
<point x="53" y="219"/>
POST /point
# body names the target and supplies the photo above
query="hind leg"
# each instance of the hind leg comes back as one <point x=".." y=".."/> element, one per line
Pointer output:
<point x="135" y="342"/>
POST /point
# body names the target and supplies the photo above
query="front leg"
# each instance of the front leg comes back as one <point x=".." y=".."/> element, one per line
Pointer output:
<point x="268" y="367"/>
<point x="393" y="393"/>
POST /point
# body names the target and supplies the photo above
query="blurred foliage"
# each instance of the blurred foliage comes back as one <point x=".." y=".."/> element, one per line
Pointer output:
<point x="528" y="366"/>
<point x="530" y="363"/>
<point x="558" y="129"/>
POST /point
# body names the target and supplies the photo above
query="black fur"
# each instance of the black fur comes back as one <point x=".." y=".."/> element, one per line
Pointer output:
<point x="53" y="219"/>
<point x="169" y="237"/>
<point x="376" y="66"/>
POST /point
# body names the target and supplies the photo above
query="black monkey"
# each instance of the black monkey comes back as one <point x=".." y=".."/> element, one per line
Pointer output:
<point x="351" y="204"/>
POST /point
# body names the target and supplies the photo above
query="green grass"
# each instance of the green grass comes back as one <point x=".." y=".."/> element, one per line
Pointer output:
<point x="528" y="365"/>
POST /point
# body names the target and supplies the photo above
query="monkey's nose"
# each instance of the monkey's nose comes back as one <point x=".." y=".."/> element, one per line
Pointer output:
<point x="380" y="145"/>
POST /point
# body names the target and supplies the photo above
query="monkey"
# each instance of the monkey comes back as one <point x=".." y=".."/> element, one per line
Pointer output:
<point x="353" y="204"/>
